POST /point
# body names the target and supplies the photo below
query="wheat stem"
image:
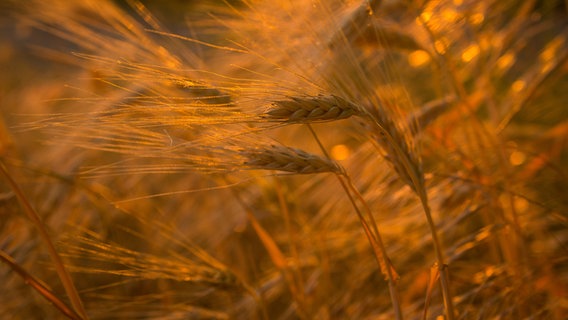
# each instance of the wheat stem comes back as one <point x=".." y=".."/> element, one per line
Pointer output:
<point x="374" y="239"/>
<point x="39" y="287"/>
<point x="377" y="243"/>
<point x="57" y="261"/>
<point x="418" y="186"/>
<point x="443" y="268"/>
<point x="409" y="171"/>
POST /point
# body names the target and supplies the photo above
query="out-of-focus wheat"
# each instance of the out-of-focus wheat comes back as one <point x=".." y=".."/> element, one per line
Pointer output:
<point x="184" y="169"/>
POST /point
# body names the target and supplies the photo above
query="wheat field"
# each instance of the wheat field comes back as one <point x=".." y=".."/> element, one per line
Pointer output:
<point x="310" y="159"/>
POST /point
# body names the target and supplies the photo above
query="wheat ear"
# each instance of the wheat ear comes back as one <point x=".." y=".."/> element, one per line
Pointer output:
<point x="282" y="158"/>
<point x="311" y="109"/>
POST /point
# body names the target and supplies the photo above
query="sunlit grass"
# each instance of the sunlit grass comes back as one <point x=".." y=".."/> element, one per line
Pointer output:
<point x="285" y="160"/>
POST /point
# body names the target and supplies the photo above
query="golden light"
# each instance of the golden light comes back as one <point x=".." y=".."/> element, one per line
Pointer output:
<point x="340" y="152"/>
<point x="484" y="42"/>
<point x="476" y="18"/>
<point x="551" y="50"/>
<point x="470" y="53"/>
<point x="547" y="56"/>
<point x="450" y="15"/>
<point x="426" y="16"/>
<point x="517" y="158"/>
<point x="506" y="61"/>
<point x="418" y="58"/>
<point x="441" y="46"/>
<point x="546" y="67"/>
<point x="521" y="204"/>
<point x="518" y="85"/>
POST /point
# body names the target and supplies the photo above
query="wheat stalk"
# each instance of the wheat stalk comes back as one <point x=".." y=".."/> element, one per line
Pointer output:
<point x="407" y="164"/>
<point x="408" y="168"/>
<point x="60" y="267"/>
<point x="40" y="287"/>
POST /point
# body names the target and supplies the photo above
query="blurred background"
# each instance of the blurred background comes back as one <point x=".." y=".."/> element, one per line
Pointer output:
<point x="486" y="82"/>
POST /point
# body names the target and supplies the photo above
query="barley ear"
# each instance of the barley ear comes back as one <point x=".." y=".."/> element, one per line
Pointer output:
<point x="282" y="158"/>
<point x="308" y="109"/>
